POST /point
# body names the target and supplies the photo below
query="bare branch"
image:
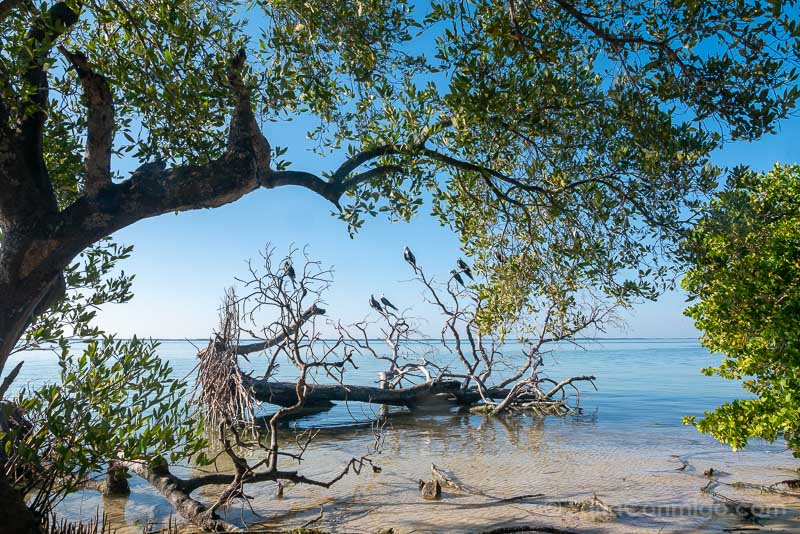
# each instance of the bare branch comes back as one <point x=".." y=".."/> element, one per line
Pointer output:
<point x="561" y="385"/>
<point x="281" y="338"/>
<point x="9" y="379"/>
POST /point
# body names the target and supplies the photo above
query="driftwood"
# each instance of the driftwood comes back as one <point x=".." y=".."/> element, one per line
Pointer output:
<point x="285" y="394"/>
<point x="178" y="490"/>
<point x="281" y="338"/>
<point x="323" y="395"/>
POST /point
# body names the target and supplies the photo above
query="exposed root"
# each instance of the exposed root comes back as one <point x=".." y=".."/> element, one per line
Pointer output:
<point x="222" y="390"/>
<point x="314" y="520"/>
<point x="743" y="511"/>
<point x="713" y="475"/>
<point x="772" y="488"/>
<point x="556" y="408"/>
<point x="451" y="482"/>
<point x="53" y="525"/>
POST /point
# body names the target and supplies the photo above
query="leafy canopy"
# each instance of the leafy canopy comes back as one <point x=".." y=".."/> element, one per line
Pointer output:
<point x="561" y="133"/>
<point x="745" y="272"/>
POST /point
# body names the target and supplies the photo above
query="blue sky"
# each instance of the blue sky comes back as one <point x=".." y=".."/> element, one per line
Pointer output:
<point x="183" y="262"/>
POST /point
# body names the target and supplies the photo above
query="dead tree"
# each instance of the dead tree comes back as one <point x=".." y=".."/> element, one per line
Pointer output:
<point x="279" y="304"/>
<point x="480" y="356"/>
<point x="225" y="395"/>
<point x="500" y="376"/>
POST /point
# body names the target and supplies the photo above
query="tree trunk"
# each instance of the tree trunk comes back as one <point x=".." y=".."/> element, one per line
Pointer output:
<point x="283" y="393"/>
<point x="15" y="517"/>
<point x="30" y="282"/>
<point x="175" y="491"/>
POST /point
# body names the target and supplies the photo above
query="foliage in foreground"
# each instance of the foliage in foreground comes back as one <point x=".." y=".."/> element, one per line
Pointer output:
<point x="114" y="398"/>
<point x="745" y="256"/>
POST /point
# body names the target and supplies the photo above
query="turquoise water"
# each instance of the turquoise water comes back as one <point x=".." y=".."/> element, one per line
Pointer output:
<point x="642" y="383"/>
<point x="623" y="448"/>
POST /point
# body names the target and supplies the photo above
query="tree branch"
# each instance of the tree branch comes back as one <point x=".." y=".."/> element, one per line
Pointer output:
<point x="25" y="189"/>
<point x="42" y="35"/>
<point x="100" y="123"/>
<point x="9" y="379"/>
<point x="561" y="385"/>
<point x="277" y="340"/>
<point x="366" y="176"/>
<point x="310" y="181"/>
<point x="616" y="40"/>
<point x="176" y="491"/>
<point x="7" y="6"/>
<point x="284" y="393"/>
<point x="359" y="159"/>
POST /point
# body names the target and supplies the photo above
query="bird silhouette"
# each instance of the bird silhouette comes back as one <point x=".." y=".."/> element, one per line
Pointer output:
<point x="409" y="257"/>
<point x="457" y="277"/>
<point x="387" y="304"/>
<point x="152" y="167"/>
<point x="464" y="268"/>
<point x="500" y="257"/>
<point x="289" y="271"/>
<point x="375" y="304"/>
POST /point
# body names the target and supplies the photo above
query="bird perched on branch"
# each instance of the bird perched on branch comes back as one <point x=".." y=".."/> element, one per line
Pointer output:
<point x="500" y="257"/>
<point x="375" y="304"/>
<point x="457" y="277"/>
<point x="288" y="270"/>
<point x="387" y="304"/>
<point x="409" y="257"/>
<point x="464" y="268"/>
<point x="149" y="168"/>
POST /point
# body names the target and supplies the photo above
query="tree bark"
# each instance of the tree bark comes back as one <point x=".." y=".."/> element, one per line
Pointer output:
<point x="15" y="517"/>
<point x="177" y="492"/>
<point x="283" y="393"/>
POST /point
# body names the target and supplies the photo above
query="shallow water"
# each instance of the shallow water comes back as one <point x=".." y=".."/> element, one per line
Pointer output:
<point x="623" y="449"/>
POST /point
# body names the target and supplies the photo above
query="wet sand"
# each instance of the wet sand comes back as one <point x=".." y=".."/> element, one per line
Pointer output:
<point x="638" y="472"/>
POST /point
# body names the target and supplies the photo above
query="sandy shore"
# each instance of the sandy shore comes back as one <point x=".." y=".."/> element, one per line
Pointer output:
<point x="640" y="476"/>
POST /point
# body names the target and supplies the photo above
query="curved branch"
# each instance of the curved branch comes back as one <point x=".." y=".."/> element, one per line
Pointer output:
<point x="564" y="383"/>
<point x="310" y="181"/>
<point x="359" y="159"/>
<point x="280" y="338"/>
<point x="177" y="492"/>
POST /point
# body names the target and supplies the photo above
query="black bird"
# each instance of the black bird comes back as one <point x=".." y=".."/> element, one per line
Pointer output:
<point x="375" y="304"/>
<point x="152" y="167"/>
<point x="387" y="304"/>
<point x="464" y="268"/>
<point x="289" y="271"/>
<point x="409" y="256"/>
<point x="500" y="257"/>
<point x="458" y="278"/>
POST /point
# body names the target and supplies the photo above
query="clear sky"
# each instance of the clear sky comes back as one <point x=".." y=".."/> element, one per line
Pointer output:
<point x="183" y="262"/>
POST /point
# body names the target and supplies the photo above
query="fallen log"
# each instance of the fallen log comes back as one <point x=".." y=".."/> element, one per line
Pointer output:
<point x="284" y="394"/>
<point x="178" y="492"/>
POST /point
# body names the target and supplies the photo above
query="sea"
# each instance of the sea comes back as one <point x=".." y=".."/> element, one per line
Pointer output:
<point x="628" y="448"/>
